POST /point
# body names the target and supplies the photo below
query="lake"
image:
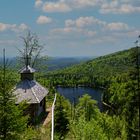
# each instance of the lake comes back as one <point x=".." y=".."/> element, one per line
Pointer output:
<point x="72" y="93"/>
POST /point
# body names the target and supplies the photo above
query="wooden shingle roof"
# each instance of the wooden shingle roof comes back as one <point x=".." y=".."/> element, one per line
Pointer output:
<point x="29" y="90"/>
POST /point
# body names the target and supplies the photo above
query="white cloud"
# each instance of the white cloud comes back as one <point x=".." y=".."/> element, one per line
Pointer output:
<point x="66" y="5"/>
<point x="3" y="26"/>
<point x="102" y="40"/>
<point x="119" y="7"/>
<point x="84" y="21"/>
<point x="85" y="3"/>
<point x="104" y="6"/>
<point x="69" y="23"/>
<point x="88" y="27"/>
<point x="73" y="32"/>
<point x="56" y="7"/>
<point x="117" y="26"/>
<point x="87" y="21"/>
<point x="65" y="30"/>
<point x="23" y="27"/>
<point x="13" y="27"/>
<point x="43" y="20"/>
<point x="38" y="3"/>
<point x="93" y="31"/>
<point x="126" y="8"/>
<point x="129" y="34"/>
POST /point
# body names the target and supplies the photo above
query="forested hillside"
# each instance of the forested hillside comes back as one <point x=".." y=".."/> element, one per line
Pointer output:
<point x="118" y="75"/>
<point x="96" y="72"/>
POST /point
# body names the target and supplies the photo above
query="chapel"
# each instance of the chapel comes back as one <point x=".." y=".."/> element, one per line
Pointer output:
<point x="29" y="90"/>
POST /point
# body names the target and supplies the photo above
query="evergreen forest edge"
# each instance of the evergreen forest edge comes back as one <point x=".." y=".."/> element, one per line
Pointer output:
<point x="118" y="75"/>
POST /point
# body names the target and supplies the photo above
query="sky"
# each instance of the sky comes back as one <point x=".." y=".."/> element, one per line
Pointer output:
<point x="69" y="28"/>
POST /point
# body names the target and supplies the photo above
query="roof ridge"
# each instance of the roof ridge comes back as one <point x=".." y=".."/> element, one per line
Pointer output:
<point x="40" y="84"/>
<point x="33" y="92"/>
<point x="27" y="69"/>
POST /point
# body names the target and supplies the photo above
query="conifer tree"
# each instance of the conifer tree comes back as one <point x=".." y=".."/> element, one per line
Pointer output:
<point x="12" y="121"/>
<point x="61" y="118"/>
<point x="135" y="88"/>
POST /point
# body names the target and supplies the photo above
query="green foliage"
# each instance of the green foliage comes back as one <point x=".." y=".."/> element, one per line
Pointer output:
<point x="29" y="134"/>
<point x="100" y="126"/>
<point x="123" y="95"/>
<point x="43" y="133"/>
<point x="12" y="121"/>
<point x="87" y="107"/>
<point x="61" y="117"/>
<point x="83" y="130"/>
<point x="118" y="75"/>
<point x="96" y="73"/>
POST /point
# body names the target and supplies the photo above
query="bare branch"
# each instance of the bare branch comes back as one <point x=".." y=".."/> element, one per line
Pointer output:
<point x="32" y="48"/>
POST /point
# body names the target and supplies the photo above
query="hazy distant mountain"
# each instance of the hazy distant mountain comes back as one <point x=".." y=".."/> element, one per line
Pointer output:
<point x="54" y="63"/>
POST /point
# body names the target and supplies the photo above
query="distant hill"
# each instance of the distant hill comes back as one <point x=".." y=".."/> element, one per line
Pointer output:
<point x="119" y="61"/>
<point x="53" y="63"/>
<point x="56" y="63"/>
<point x="95" y="71"/>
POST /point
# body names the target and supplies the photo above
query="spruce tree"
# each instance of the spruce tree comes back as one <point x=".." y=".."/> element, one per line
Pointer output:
<point x="12" y="121"/>
<point x="134" y="89"/>
<point x="61" y="118"/>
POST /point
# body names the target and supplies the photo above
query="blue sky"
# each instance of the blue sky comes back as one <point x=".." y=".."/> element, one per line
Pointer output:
<point x="70" y="27"/>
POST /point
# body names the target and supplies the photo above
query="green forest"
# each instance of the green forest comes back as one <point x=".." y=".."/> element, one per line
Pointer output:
<point x="69" y="69"/>
<point x="116" y="74"/>
<point x="98" y="72"/>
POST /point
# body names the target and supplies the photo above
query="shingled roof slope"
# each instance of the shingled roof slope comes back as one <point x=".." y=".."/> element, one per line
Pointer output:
<point x="31" y="91"/>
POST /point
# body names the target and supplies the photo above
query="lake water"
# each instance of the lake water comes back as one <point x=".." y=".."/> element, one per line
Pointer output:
<point x="73" y="94"/>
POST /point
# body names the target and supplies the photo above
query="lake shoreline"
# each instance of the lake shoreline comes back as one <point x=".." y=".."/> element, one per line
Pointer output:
<point x="76" y="86"/>
<point x="74" y="93"/>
